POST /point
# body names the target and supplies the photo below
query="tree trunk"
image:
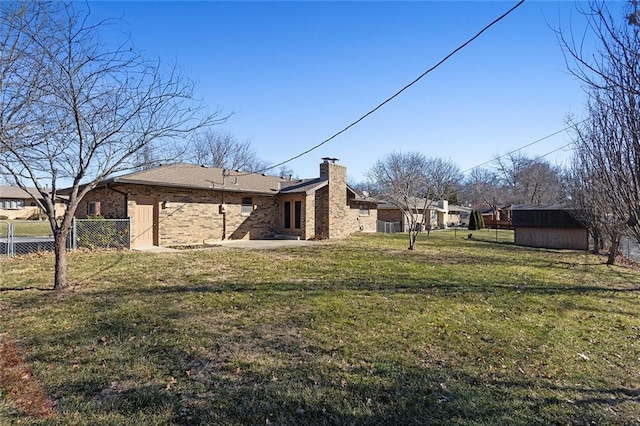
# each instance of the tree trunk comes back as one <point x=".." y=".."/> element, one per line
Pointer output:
<point x="613" y="249"/>
<point x="596" y="243"/>
<point x="60" y="276"/>
<point x="413" y="235"/>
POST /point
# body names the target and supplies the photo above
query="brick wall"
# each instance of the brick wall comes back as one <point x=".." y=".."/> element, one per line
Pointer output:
<point x="321" y="201"/>
<point x="335" y="210"/>
<point x="112" y="204"/>
<point x="390" y="215"/>
<point x="363" y="223"/>
<point x="187" y="216"/>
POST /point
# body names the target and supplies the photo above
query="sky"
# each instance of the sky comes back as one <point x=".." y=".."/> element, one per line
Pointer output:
<point x="292" y="74"/>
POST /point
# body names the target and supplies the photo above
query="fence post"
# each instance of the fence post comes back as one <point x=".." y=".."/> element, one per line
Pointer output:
<point x="10" y="247"/>
<point x="73" y="234"/>
<point x="6" y="238"/>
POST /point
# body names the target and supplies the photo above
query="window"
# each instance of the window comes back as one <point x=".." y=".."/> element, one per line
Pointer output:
<point x="287" y="214"/>
<point x="93" y="208"/>
<point x="364" y="210"/>
<point x="292" y="208"/>
<point x="297" y="214"/>
<point x="247" y="206"/>
<point x="12" y="204"/>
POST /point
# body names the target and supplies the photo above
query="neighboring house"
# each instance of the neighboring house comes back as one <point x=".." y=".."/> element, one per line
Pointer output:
<point x="181" y="204"/>
<point x="458" y="215"/>
<point x="495" y="217"/>
<point x="16" y="203"/>
<point x="548" y="226"/>
<point x="435" y="214"/>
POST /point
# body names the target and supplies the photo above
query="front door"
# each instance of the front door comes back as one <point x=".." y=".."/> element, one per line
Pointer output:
<point x="145" y="223"/>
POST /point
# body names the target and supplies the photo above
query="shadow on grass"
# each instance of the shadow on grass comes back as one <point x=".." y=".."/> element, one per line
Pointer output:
<point x="149" y="360"/>
<point x="417" y="287"/>
<point x="9" y="289"/>
<point x="294" y="383"/>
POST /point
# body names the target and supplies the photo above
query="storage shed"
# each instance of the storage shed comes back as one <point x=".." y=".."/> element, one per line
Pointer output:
<point x="549" y="226"/>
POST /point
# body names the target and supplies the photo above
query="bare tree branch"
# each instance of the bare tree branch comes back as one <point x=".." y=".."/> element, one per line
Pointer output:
<point x="73" y="110"/>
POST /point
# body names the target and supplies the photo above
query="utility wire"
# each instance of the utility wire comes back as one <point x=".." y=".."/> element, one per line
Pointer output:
<point x="551" y="152"/>
<point x="528" y="145"/>
<point x="462" y="46"/>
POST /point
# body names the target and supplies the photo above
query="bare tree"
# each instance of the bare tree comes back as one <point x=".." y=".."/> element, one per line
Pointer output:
<point x="608" y="141"/>
<point x="222" y="149"/>
<point x="483" y="186"/>
<point x="410" y="181"/>
<point x="589" y="199"/>
<point x="400" y="179"/>
<point x="529" y="181"/>
<point x="443" y="178"/>
<point x="74" y="110"/>
<point x="286" y="172"/>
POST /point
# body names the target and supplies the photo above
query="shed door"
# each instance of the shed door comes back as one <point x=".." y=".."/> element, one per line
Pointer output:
<point x="144" y="223"/>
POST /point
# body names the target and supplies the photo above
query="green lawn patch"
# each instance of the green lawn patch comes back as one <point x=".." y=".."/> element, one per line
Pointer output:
<point x="27" y="228"/>
<point x="362" y="331"/>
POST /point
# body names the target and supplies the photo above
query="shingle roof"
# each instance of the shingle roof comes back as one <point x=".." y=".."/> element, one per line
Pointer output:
<point x="304" y="185"/>
<point x="414" y="203"/>
<point x="183" y="175"/>
<point x="18" y="193"/>
<point x="542" y="207"/>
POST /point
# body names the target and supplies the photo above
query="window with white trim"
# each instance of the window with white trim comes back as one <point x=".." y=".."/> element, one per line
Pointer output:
<point x="7" y="204"/>
<point x="247" y="206"/>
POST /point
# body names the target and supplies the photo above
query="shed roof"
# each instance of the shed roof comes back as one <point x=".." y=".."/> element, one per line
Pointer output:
<point x="545" y="216"/>
<point x="558" y="206"/>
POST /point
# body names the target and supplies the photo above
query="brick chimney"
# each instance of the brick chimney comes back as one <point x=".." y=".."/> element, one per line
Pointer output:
<point x="332" y="210"/>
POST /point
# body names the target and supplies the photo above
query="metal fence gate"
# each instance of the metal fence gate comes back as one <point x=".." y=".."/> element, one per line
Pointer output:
<point x="388" y="227"/>
<point x="32" y="236"/>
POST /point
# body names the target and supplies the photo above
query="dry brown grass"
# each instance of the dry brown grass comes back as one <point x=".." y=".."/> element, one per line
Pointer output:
<point x="20" y="385"/>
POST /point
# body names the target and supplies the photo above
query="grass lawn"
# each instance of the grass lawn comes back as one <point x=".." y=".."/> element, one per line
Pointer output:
<point x="26" y="228"/>
<point x="362" y="331"/>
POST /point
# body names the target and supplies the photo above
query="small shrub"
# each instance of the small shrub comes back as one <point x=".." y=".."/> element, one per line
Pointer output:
<point x="37" y="216"/>
<point x="476" y="221"/>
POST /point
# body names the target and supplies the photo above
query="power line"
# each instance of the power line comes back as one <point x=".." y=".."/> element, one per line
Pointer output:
<point x="462" y="46"/>
<point x="551" y="152"/>
<point x="528" y="145"/>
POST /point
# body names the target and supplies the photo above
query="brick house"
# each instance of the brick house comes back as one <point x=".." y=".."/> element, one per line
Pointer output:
<point x="180" y="204"/>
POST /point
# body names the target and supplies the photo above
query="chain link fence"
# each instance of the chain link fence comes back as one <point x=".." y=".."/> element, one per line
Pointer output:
<point x="5" y="239"/>
<point x="102" y="233"/>
<point x="630" y="249"/>
<point x="25" y="236"/>
<point x="388" y="227"/>
<point x="32" y="236"/>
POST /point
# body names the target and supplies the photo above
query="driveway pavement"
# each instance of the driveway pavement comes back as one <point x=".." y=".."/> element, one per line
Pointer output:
<point x="243" y="244"/>
<point x="265" y="244"/>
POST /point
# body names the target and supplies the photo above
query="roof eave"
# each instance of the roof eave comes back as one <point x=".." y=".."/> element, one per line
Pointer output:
<point x="271" y="192"/>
